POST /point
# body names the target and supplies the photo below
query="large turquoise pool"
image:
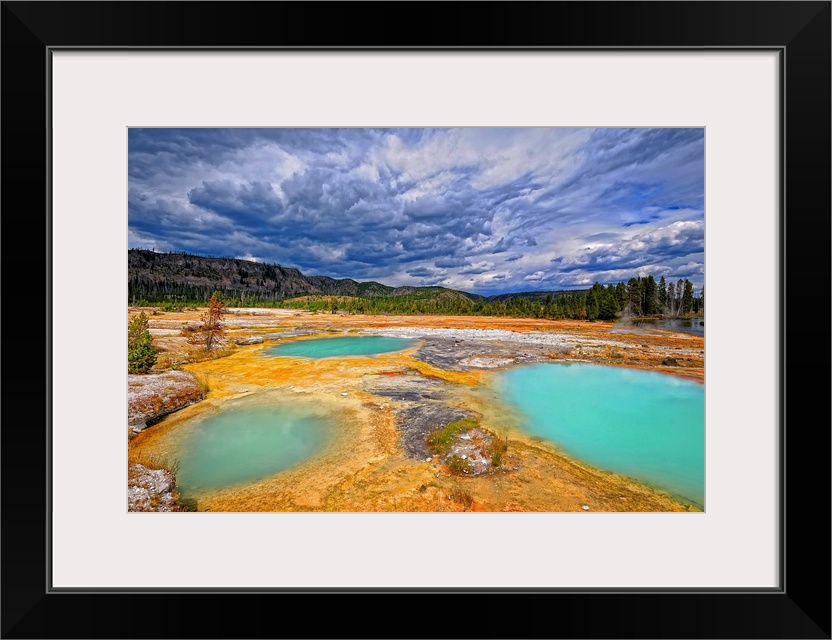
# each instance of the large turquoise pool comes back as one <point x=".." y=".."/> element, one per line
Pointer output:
<point x="642" y="424"/>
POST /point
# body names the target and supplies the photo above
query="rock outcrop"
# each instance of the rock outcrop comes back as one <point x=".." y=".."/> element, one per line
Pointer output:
<point x="153" y="395"/>
<point x="472" y="451"/>
<point x="151" y="489"/>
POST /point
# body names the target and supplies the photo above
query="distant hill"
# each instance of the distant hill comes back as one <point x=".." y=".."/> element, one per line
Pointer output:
<point x="158" y="276"/>
<point x="539" y="296"/>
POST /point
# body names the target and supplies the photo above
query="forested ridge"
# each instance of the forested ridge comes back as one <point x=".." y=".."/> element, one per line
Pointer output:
<point x="174" y="280"/>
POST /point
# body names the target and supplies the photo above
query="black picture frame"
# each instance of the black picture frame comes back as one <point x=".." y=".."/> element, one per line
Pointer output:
<point x="799" y="31"/>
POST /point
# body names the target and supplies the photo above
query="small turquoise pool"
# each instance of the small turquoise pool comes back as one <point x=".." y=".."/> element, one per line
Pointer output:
<point x="346" y="346"/>
<point x="642" y="424"/>
<point x="245" y="442"/>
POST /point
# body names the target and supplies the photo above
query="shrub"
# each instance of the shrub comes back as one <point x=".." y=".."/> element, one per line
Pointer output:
<point x="141" y="354"/>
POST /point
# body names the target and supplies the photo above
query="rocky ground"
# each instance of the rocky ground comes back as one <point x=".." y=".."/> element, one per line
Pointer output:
<point x="151" y="489"/>
<point x="422" y="405"/>
<point x="470" y="349"/>
<point x="393" y="402"/>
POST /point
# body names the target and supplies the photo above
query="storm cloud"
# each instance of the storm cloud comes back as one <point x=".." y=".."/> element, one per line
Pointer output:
<point x="479" y="209"/>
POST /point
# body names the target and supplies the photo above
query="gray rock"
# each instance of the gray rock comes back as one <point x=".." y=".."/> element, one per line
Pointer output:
<point x="416" y="422"/>
<point x="151" y="489"/>
<point x="472" y="446"/>
<point x="407" y="388"/>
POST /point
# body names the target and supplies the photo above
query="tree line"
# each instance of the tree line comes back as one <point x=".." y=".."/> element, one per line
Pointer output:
<point x="638" y="297"/>
<point x="643" y="297"/>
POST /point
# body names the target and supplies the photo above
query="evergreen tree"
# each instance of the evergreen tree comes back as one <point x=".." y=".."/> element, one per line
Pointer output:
<point x="662" y="295"/>
<point x="621" y="295"/>
<point x="651" y="298"/>
<point x="634" y="297"/>
<point x="687" y="297"/>
<point x="608" y="304"/>
<point x="593" y="306"/>
<point x="141" y="354"/>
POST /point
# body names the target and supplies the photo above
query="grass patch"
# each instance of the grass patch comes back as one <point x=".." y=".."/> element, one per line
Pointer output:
<point x="440" y="440"/>
<point x="214" y="354"/>
<point x="462" y="496"/>
<point x="497" y="448"/>
<point x="202" y="381"/>
<point x="156" y="461"/>
<point x="166" y="362"/>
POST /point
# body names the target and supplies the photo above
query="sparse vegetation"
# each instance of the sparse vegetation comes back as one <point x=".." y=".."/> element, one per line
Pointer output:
<point x="459" y="466"/>
<point x="188" y="330"/>
<point x="441" y="439"/>
<point x="202" y="356"/>
<point x="202" y="381"/>
<point x="498" y="447"/>
<point x="166" y="361"/>
<point x="154" y="461"/>
<point x="462" y="496"/>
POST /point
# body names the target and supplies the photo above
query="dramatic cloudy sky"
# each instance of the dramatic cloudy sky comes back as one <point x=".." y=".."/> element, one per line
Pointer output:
<point x="479" y="209"/>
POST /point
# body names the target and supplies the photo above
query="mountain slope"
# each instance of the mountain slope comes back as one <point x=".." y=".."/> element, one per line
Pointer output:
<point x="162" y="275"/>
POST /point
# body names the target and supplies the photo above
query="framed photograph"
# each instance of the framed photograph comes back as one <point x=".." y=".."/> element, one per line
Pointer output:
<point x="120" y="123"/>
